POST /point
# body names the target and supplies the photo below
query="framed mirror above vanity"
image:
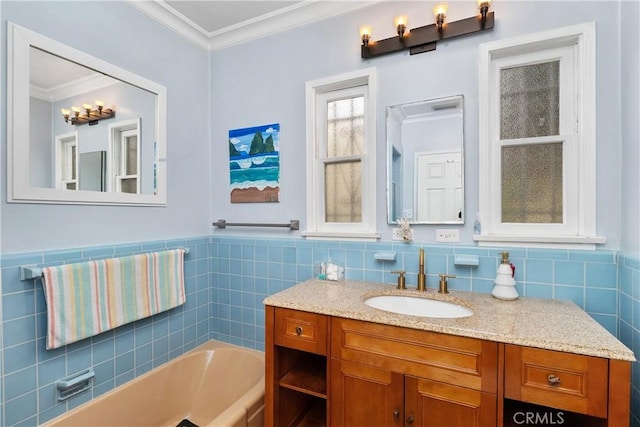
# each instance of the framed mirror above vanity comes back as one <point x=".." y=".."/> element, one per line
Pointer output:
<point x="425" y="161"/>
<point x="79" y="129"/>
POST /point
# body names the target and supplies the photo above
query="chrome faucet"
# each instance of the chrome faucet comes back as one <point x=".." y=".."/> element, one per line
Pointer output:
<point x="422" y="278"/>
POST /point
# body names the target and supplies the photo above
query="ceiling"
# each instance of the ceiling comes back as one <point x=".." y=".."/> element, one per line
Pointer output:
<point x="218" y="24"/>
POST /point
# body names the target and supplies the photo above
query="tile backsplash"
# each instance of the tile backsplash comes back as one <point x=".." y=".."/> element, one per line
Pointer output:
<point x="226" y="280"/>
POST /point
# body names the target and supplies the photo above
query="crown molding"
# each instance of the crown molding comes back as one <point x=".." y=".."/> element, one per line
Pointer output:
<point x="298" y="14"/>
<point x="73" y="88"/>
<point x="171" y="19"/>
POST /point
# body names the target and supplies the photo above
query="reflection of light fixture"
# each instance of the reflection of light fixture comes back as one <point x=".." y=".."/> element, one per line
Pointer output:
<point x="365" y="34"/>
<point x="90" y="116"/>
<point x="423" y="39"/>
<point x="400" y="22"/>
<point x="440" y="12"/>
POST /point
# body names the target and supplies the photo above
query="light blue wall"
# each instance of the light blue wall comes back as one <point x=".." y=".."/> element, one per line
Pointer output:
<point x="119" y="33"/>
<point x="264" y="82"/>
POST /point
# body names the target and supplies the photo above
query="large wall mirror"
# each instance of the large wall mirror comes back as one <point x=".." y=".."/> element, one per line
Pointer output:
<point x="81" y="130"/>
<point x="425" y="161"/>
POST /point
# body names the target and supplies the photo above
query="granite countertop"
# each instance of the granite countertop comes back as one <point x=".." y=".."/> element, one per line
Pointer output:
<point x="533" y="322"/>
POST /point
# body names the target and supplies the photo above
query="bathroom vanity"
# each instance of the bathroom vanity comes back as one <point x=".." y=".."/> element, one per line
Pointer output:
<point x="333" y="360"/>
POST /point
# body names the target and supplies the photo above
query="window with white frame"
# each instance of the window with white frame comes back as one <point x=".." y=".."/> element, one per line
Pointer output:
<point x="537" y="139"/>
<point x="124" y="144"/>
<point x="341" y="178"/>
<point x="66" y="161"/>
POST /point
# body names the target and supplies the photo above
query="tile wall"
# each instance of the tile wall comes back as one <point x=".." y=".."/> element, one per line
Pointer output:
<point x="228" y="277"/>
<point x="29" y="371"/>
<point x="245" y="271"/>
<point x="629" y="319"/>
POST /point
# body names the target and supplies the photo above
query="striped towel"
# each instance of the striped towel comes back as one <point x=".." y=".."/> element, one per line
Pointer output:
<point x="88" y="298"/>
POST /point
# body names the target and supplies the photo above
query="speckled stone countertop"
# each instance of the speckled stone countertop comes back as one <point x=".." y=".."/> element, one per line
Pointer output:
<point x="533" y="322"/>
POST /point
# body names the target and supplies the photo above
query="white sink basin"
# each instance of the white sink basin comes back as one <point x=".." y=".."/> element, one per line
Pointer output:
<point x="415" y="306"/>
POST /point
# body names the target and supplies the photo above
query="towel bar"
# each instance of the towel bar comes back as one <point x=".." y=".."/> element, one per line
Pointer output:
<point x="294" y="224"/>
<point x="28" y="272"/>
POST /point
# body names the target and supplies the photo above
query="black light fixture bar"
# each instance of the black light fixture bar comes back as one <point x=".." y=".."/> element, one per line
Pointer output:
<point x="424" y="39"/>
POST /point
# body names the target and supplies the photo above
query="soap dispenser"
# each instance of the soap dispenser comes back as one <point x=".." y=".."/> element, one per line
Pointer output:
<point x="505" y="284"/>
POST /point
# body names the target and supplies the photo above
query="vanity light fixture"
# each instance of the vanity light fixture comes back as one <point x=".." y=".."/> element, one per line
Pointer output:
<point x="423" y="39"/>
<point x="91" y="116"/>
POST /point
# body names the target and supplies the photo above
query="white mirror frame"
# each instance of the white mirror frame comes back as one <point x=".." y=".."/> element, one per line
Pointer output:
<point x="19" y="190"/>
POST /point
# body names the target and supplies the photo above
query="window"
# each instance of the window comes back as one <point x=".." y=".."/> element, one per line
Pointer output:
<point x="537" y="139"/>
<point x="125" y="156"/>
<point x="66" y="161"/>
<point x="341" y="179"/>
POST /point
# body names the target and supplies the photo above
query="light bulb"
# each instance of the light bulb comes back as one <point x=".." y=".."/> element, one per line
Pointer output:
<point x="440" y="11"/>
<point x="365" y="34"/>
<point x="400" y="22"/>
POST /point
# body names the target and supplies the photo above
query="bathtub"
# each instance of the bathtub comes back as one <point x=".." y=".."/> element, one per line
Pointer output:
<point x="215" y="384"/>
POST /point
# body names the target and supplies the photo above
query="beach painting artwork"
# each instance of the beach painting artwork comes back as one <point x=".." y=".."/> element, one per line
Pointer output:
<point x="254" y="164"/>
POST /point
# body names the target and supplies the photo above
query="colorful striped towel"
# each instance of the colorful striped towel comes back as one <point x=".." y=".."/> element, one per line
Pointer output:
<point x="88" y="298"/>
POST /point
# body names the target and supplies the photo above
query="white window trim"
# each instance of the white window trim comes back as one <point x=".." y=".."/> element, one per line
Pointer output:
<point x="115" y="162"/>
<point x="582" y="37"/>
<point x="316" y="227"/>
<point x="61" y="159"/>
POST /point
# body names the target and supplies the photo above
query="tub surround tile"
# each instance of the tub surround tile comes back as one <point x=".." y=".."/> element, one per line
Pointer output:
<point x="542" y="323"/>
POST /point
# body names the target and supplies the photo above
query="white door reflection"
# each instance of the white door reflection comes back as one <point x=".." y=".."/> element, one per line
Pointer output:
<point x="438" y="187"/>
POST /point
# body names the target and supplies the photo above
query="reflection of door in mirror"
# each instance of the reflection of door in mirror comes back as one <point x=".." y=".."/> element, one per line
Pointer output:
<point x="438" y="188"/>
<point x="424" y="185"/>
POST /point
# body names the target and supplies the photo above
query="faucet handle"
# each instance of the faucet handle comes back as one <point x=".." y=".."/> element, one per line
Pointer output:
<point x="442" y="289"/>
<point x="401" y="279"/>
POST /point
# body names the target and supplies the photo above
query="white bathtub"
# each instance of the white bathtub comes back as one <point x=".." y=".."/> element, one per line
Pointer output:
<point x="215" y="384"/>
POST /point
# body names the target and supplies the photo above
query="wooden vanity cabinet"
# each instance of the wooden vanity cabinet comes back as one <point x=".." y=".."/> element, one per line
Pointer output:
<point x="323" y="370"/>
<point x="391" y="376"/>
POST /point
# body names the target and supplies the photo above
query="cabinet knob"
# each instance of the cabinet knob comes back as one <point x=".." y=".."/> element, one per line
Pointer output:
<point x="299" y="330"/>
<point x="410" y="419"/>
<point x="553" y="379"/>
<point x="396" y="415"/>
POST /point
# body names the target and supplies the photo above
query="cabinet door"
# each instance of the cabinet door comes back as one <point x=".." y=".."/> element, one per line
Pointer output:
<point x="435" y="404"/>
<point x="364" y="395"/>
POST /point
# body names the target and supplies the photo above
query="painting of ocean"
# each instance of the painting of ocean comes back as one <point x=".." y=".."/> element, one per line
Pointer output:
<point x="254" y="164"/>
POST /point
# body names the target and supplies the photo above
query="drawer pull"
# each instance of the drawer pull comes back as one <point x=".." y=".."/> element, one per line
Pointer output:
<point x="396" y="415"/>
<point x="553" y="379"/>
<point x="410" y="419"/>
<point x="299" y="330"/>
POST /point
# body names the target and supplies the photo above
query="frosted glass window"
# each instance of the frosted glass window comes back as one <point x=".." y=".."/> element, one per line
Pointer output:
<point x="131" y="146"/>
<point x="530" y="100"/>
<point x="345" y="127"/>
<point x="343" y="192"/>
<point x="532" y="183"/>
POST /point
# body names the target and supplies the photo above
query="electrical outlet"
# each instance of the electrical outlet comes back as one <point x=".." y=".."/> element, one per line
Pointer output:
<point x="397" y="234"/>
<point x="449" y="235"/>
